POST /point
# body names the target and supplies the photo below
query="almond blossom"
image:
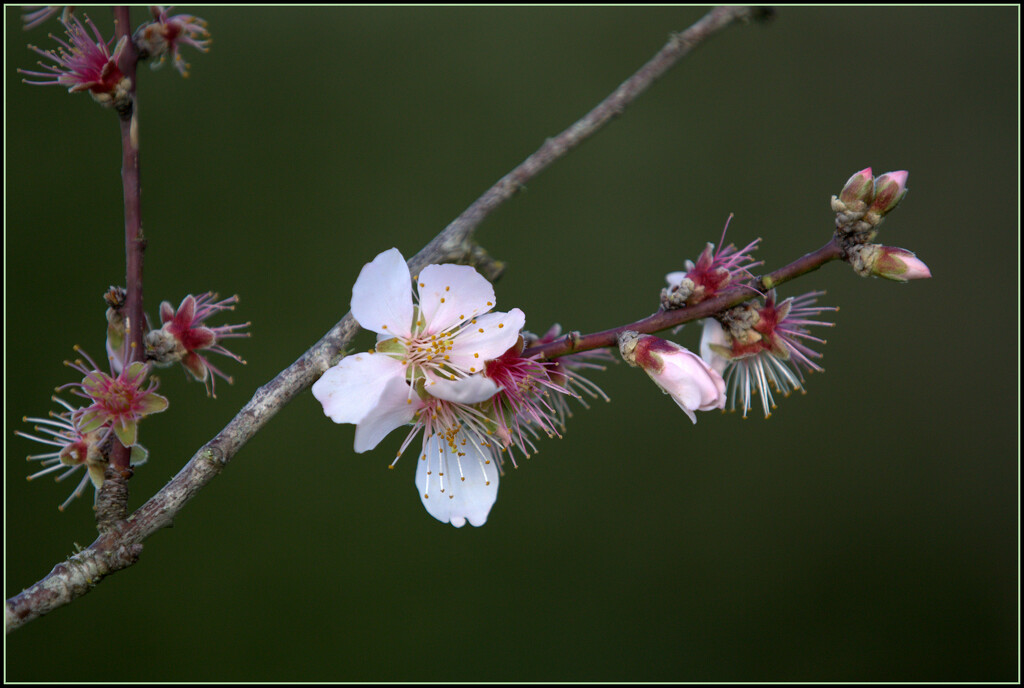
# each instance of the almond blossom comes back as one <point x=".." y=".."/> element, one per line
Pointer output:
<point x="444" y="338"/>
<point x="427" y="369"/>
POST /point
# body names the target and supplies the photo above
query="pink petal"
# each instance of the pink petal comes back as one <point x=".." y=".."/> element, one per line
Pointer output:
<point x="166" y="311"/>
<point x="450" y="294"/>
<point x="382" y="295"/>
<point x="186" y="312"/>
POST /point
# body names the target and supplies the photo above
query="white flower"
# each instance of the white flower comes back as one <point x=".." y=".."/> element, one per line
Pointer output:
<point x="427" y="369"/>
<point x="444" y="339"/>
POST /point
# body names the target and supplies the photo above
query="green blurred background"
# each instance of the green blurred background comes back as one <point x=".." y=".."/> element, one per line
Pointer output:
<point x="867" y="531"/>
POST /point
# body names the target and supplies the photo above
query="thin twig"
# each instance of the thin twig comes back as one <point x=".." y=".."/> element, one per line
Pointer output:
<point x="574" y="342"/>
<point x="134" y="242"/>
<point x="120" y="548"/>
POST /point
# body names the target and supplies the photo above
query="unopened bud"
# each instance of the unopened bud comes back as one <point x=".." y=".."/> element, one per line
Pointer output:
<point x="680" y="373"/>
<point x="900" y="265"/>
<point x="890" y="189"/>
<point x="897" y="264"/>
<point x="859" y="187"/>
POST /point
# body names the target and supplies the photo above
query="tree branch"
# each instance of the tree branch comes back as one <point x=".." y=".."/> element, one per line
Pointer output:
<point x="574" y="342"/>
<point x="121" y="546"/>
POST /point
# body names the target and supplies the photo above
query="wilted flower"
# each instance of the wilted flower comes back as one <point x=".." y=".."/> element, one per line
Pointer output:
<point x="184" y="334"/>
<point x="165" y="35"/>
<point x="680" y="373"/>
<point x="715" y="269"/>
<point x="86" y="64"/>
<point x="76" y="448"/>
<point x="762" y="348"/>
<point x="118" y="402"/>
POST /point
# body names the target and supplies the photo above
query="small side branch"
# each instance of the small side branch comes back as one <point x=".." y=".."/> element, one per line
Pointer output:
<point x="664" y="319"/>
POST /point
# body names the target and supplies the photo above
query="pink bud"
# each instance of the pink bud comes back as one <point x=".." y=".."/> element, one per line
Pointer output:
<point x="890" y="188"/>
<point x="680" y="373"/>
<point x="899" y="264"/>
<point x="859" y="187"/>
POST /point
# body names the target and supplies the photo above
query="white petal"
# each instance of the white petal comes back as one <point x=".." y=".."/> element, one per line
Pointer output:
<point x="382" y="295"/>
<point x="396" y="407"/>
<point x="456" y="488"/>
<point x="675" y="278"/>
<point x="489" y="337"/>
<point x="452" y="293"/>
<point x="351" y="389"/>
<point x="468" y="390"/>
<point x="713" y="334"/>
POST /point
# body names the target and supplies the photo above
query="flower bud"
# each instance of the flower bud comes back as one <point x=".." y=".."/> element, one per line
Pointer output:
<point x="680" y="373"/>
<point x="899" y="264"/>
<point x="890" y="189"/>
<point x="859" y="187"/>
<point x="892" y="263"/>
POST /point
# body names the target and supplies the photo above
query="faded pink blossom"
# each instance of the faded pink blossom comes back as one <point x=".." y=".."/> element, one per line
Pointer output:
<point x="184" y="334"/>
<point x="715" y="269"/>
<point x="165" y="35"/>
<point x="118" y="402"/>
<point x="76" y="448"/>
<point x="765" y="348"/>
<point x="85" y="63"/>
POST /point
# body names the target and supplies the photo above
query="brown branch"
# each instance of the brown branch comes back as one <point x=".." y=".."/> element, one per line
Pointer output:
<point x="134" y="242"/>
<point x="120" y="547"/>
<point x="574" y="342"/>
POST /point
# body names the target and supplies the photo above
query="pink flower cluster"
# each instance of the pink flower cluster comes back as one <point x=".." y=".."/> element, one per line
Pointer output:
<point x="84" y="436"/>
